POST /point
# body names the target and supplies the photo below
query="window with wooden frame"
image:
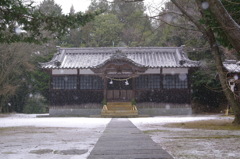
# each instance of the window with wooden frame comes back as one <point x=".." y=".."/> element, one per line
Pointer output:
<point x="70" y="82"/>
<point x="91" y="82"/>
<point x="181" y="81"/>
<point x="148" y="82"/>
<point x="175" y="81"/>
<point x="64" y="82"/>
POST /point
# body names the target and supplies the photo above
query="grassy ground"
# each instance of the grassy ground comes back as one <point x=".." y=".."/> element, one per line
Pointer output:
<point x="223" y="124"/>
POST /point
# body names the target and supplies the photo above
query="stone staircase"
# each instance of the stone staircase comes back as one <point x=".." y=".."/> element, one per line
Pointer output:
<point x="119" y="109"/>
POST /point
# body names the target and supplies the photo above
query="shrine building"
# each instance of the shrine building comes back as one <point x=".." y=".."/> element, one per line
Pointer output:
<point x="232" y="68"/>
<point x="90" y="81"/>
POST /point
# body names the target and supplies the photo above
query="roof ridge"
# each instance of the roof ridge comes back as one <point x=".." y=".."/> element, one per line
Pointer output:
<point x="142" y="56"/>
<point x="90" y="48"/>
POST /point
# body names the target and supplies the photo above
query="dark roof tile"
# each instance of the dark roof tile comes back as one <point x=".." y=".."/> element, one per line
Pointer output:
<point x="154" y="57"/>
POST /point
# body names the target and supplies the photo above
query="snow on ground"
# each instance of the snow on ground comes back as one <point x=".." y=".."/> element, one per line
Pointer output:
<point x="191" y="143"/>
<point x="16" y="120"/>
<point x="27" y="137"/>
<point x="142" y="122"/>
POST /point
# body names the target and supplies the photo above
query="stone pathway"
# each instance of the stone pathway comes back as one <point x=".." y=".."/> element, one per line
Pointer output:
<point x="123" y="140"/>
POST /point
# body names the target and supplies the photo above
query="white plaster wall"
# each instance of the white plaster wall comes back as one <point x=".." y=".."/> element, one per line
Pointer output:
<point x="152" y="71"/>
<point x="64" y="71"/>
<point x="175" y="70"/>
<point x="86" y="72"/>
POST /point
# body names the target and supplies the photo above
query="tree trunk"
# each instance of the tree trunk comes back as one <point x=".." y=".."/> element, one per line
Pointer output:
<point x="229" y="26"/>
<point x="216" y="53"/>
<point x="223" y="77"/>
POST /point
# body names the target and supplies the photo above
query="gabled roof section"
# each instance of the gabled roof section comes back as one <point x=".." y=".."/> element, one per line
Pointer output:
<point x="119" y="56"/>
<point x="232" y="66"/>
<point x="151" y="57"/>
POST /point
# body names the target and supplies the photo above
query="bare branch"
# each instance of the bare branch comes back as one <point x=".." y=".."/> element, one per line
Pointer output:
<point x="171" y="12"/>
<point x="190" y="17"/>
<point x="178" y="26"/>
<point x="227" y="23"/>
<point x="229" y="1"/>
<point x="133" y="1"/>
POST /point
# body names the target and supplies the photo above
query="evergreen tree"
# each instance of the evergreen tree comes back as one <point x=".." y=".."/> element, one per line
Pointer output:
<point x="21" y="22"/>
<point x="136" y="24"/>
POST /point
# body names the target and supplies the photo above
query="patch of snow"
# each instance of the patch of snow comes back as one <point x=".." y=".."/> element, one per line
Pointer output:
<point x="191" y="143"/>
<point x="31" y="120"/>
<point x="22" y="134"/>
<point x="139" y="122"/>
<point x="205" y="5"/>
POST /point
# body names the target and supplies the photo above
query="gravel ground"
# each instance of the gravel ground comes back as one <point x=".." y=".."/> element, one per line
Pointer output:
<point x="193" y="143"/>
<point x="27" y="137"/>
<point x="49" y="143"/>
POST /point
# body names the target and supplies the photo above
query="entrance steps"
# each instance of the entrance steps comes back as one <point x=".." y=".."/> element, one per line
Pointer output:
<point x="119" y="109"/>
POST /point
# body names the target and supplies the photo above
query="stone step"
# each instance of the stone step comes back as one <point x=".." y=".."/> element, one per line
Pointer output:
<point x="119" y="105"/>
<point x="125" y="113"/>
<point x="119" y="109"/>
<point x="119" y="115"/>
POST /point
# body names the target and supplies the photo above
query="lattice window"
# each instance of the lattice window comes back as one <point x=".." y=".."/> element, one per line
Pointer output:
<point x="181" y="81"/>
<point x="148" y="82"/>
<point x="64" y="82"/>
<point x="70" y="82"/>
<point x="169" y="81"/>
<point x="154" y="81"/>
<point x="91" y="82"/>
<point x="175" y="81"/>
<point x="141" y="82"/>
<point x="58" y="82"/>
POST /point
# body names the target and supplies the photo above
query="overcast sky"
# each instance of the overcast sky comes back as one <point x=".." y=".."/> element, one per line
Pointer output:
<point x="82" y="5"/>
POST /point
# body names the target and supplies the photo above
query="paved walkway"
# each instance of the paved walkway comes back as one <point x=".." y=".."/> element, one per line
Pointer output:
<point x="123" y="140"/>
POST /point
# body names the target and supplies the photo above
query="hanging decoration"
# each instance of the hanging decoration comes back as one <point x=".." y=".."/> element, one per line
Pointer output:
<point x="111" y="82"/>
<point x="126" y="83"/>
<point x="120" y="79"/>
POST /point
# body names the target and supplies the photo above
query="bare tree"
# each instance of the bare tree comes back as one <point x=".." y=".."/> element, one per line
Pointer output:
<point x="208" y="33"/>
<point x="227" y="23"/>
<point x="15" y="62"/>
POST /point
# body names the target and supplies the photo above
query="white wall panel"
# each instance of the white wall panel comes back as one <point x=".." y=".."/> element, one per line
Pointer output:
<point x="175" y="70"/>
<point x="64" y="71"/>
<point x="153" y="71"/>
<point x="86" y="72"/>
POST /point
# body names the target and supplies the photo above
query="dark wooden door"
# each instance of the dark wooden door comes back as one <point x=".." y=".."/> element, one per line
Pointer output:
<point x="119" y="91"/>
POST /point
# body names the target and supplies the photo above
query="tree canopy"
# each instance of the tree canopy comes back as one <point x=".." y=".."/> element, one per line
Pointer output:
<point x="22" y="22"/>
<point x="122" y="24"/>
<point x="226" y="16"/>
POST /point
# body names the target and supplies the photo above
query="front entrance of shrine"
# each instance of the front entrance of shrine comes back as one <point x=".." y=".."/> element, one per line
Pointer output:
<point x="120" y="90"/>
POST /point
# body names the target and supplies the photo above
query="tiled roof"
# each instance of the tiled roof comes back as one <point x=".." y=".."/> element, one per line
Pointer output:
<point x="151" y="57"/>
<point x="232" y="65"/>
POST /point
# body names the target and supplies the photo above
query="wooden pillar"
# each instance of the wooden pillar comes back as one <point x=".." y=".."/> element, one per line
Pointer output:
<point x="161" y="79"/>
<point x="78" y="79"/>
<point x="161" y="90"/>
<point x="105" y="87"/>
<point x="51" y="88"/>
<point x="189" y="85"/>
<point x="133" y="88"/>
